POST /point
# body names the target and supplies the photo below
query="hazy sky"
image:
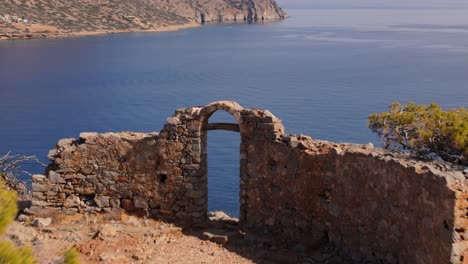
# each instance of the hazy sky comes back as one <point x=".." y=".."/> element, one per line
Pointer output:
<point x="375" y="3"/>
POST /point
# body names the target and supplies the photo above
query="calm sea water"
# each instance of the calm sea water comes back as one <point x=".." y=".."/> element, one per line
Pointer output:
<point x="321" y="71"/>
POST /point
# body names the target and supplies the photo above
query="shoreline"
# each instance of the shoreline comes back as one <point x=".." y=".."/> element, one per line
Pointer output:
<point x="56" y="35"/>
<point x="61" y="35"/>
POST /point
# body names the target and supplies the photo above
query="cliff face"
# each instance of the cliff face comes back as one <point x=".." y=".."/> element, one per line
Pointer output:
<point x="29" y="17"/>
<point x="239" y="10"/>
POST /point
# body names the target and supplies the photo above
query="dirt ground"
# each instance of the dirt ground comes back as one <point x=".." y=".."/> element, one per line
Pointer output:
<point x="121" y="238"/>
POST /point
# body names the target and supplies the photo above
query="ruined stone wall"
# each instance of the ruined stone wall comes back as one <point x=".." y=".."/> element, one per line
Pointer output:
<point x="365" y="200"/>
<point x="161" y="174"/>
<point x="370" y="202"/>
<point x="101" y="172"/>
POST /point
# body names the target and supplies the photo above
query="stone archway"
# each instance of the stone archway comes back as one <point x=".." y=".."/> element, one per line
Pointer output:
<point x="190" y="126"/>
<point x="235" y="110"/>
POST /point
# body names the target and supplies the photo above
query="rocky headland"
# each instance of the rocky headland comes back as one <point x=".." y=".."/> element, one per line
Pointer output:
<point x="61" y="18"/>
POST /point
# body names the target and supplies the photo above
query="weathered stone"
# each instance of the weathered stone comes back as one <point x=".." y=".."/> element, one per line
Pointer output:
<point x="114" y="203"/>
<point x="75" y="176"/>
<point x="127" y="204"/>
<point x="38" y="178"/>
<point x="22" y="218"/>
<point x="55" y="177"/>
<point x="72" y="201"/>
<point x="101" y="201"/>
<point x="218" y="239"/>
<point x="42" y="186"/>
<point x="42" y="222"/>
<point x="140" y="202"/>
<point x="173" y="121"/>
<point x="85" y="190"/>
<point x="87" y="170"/>
<point x="88" y="135"/>
<point x="195" y="194"/>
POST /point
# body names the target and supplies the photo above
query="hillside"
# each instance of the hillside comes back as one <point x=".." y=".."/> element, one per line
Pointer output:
<point x="45" y="18"/>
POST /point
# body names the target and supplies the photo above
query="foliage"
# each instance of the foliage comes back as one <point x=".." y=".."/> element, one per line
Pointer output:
<point x="8" y="210"/>
<point x="10" y="170"/>
<point x="12" y="255"/>
<point x="424" y="130"/>
<point x="71" y="256"/>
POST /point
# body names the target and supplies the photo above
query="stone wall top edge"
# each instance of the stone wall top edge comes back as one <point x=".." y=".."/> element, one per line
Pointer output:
<point x="454" y="175"/>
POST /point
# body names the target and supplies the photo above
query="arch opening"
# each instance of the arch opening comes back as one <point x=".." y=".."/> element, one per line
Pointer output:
<point x="223" y="156"/>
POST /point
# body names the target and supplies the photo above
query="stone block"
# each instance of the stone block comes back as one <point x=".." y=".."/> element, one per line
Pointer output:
<point x="72" y="201"/>
<point x="195" y="194"/>
<point x="101" y="201"/>
<point x="140" y="203"/>
<point x="114" y="203"/>
<point x="55" y="177"/>
<point x="42" y="187"/>
<point x="42" y="222"/>
<point x="127" y="204"/>
<point x="88" y="135"/>
<point x="38" y="178"/>
<point x="75" y="177"/>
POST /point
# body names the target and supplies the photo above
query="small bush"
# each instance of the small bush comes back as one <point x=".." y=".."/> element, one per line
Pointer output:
<point x="12" y="255"/>
<point x="71" y="256"/>
<point x="424" y="130"/>
<point x="8" y="207"/>
<point x="8" y="210"/>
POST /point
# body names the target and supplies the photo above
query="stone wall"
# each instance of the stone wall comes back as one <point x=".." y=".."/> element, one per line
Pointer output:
<point x="375" y="204"/>
<point x="365" y="200"/>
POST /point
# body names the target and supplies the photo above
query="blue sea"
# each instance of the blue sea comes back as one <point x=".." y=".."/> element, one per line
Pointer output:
<point x="322" y="71"/>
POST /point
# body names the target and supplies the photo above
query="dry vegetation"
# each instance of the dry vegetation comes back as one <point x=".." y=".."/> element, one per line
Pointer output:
<point x="84" y="17"/>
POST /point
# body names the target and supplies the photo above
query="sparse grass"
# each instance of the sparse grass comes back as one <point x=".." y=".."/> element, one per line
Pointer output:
<point x="71" y="256"/>
<point x="86" y="16"/>
<point x="8" y="210"/>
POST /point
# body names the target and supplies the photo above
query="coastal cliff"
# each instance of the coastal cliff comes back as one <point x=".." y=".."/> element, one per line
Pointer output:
<point x="43" y="18"/>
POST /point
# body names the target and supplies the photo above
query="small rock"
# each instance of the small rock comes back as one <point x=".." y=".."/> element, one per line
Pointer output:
<point x="87" y="135"/>
<point x="22" y="218"/>
<point x="218" y="215"/>
<point x="28" y="211"/>
<point x="55" y="177"/>
<point x="72" y="201"/>
<point x="101" y="201"/>
<point x="107" y="256"/>
<point x="133" y="221"/>
<point x="42" y="222"/>
<point x="140" y="202"/>
<point x="369" y="146"/>
<point x="218" y="239"/>
<point x="38" y="178"/>
<point x="173" y="121"/>
<point x="107" y="231"/>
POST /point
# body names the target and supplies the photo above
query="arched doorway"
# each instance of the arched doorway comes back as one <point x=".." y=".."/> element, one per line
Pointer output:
<point x="184" y="145"/>
<point x="233" y="109"/>
<point x="223" y="156"/>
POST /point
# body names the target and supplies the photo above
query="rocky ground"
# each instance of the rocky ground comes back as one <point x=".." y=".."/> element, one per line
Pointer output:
<point x="62" y="18"/>
<point x="120" y="238"/>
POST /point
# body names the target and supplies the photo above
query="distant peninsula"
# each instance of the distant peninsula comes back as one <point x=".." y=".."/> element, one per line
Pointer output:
<point x="62" y="18"/>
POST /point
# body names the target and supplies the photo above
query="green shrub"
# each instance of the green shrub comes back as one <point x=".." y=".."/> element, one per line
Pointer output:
<point x="12" y="255"/>
<point x="72" y="256"/>
<point x="8" y="210"/>
<point x="8" y="207"/>
<point x="424" y="130"/>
